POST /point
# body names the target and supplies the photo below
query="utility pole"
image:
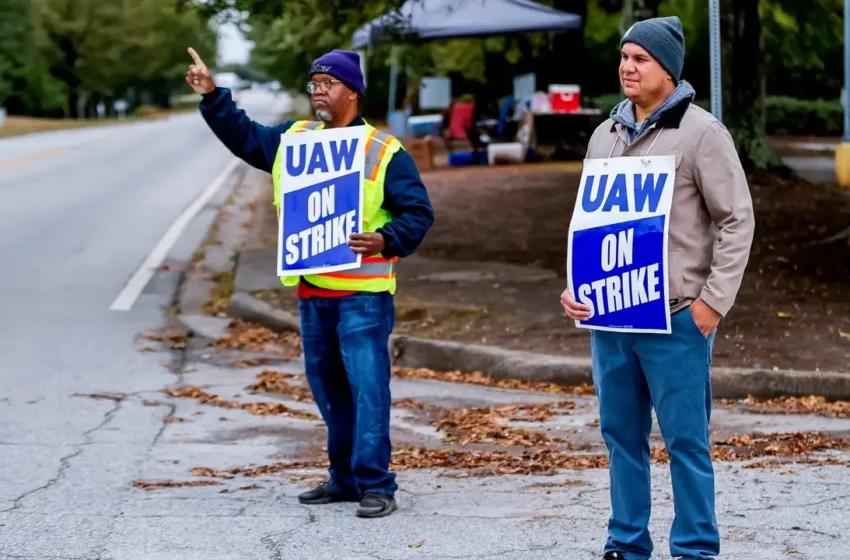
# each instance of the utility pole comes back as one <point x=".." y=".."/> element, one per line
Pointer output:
<point x="716" y="70"/>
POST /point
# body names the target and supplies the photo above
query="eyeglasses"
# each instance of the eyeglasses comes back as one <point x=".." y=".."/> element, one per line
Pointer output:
<point x="322" y="86"/>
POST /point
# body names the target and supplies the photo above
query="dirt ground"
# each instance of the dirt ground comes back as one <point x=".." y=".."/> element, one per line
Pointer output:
<point x="793" y="310"/>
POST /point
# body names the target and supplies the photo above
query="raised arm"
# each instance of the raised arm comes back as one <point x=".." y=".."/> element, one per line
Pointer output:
<point x="254" y="143"/>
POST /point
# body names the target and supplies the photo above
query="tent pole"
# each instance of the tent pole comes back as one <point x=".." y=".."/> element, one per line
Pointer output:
<point x="393" y="77"/>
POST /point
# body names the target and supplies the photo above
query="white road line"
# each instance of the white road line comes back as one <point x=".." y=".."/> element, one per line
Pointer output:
<point x="128" y="296"/>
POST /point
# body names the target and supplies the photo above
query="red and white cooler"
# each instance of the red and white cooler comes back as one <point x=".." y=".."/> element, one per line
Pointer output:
<point x="564" y="98"/>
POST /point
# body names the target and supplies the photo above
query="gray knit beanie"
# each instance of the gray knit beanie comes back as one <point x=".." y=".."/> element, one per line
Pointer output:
<point x="663" y="40"/>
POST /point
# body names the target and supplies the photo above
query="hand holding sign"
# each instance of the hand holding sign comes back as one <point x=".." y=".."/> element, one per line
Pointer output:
<point x="366" y="244"/>
<point x="198" y="76"/>
<point x="574" y="310"/>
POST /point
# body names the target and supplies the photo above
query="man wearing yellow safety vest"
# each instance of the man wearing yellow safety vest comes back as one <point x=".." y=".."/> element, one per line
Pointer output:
<point x="346" y="317"/>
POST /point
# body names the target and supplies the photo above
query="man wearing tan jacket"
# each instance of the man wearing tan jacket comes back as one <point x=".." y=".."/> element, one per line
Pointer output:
<point x="711" y="229"/>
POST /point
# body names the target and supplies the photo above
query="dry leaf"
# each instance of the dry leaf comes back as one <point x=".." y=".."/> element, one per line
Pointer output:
<point x="478" y="378"/>
<point x="417" y="544"/>
<point x="146" y="485"/>
<point x="258" y="409"/>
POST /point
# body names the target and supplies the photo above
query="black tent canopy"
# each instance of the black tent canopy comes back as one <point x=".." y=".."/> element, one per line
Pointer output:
<point x="454" y="19"/>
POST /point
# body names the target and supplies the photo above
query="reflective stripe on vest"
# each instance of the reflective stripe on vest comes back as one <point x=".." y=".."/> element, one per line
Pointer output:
<point x="375" y="273"/>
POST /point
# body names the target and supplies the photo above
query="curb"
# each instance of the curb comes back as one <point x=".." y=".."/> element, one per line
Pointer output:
<point x="442" y="355"/>
<point x="248" y="308"/>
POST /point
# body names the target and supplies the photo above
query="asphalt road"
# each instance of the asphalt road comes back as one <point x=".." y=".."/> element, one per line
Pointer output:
<point x="81" y="211"/>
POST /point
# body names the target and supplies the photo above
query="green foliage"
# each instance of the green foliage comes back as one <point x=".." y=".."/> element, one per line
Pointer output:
<point x="803" y="46"/>
<point x="788" y="115"/>
<point x="59" y="55"/>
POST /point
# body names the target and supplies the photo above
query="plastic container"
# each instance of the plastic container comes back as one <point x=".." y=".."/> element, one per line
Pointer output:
<point x="508" y="152"/>
<point x="564" y="98"/>
<point x="460" y="159"/>
<point x="422" y="125"/>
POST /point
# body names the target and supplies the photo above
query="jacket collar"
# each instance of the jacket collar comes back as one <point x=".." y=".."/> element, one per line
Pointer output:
<point x="671" y="117"/>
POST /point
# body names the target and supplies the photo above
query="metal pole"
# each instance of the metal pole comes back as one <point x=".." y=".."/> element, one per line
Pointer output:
<point x="846" y="92"/>
<point x="393" y="77"/>
<point x="716" y="74"/>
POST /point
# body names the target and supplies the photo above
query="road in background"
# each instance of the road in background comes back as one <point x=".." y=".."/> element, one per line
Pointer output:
<point x="81" y="210"/>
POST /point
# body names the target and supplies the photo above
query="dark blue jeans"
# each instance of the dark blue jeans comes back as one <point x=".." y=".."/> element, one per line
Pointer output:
<point x="347" y="362"/>
<point x="634" y="373"/>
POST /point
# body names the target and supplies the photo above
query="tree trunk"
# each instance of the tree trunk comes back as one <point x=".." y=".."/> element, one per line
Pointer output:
<point x="744" y="111"/>
<point x="568" y="47"/>
<point x="73" y="102"/>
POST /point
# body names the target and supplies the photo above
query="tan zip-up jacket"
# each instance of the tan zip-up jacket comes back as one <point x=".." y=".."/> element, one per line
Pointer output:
<point x="711" y="223"/>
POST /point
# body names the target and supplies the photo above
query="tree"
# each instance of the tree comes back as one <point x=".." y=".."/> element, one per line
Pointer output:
<point x="744" y="81"/>
<point x="15" y="34"/>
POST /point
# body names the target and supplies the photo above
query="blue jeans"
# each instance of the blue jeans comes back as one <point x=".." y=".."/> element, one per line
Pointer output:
<point x="670" y="372"/>
<point x="347" y="362"/>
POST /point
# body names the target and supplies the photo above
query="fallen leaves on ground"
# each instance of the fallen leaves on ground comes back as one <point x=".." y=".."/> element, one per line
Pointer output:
<point x="257" y="409"/>
<point x="176" y="341"/>
<point x="811" y="404"/>
<point x="173" y="419"/>
<point x="479" y="378"/>
<point x="148" y="485"/>
<point x="538" y="461"/>
<point x="796" y="447"/>
<point x="262" y="470"/>
<point x="251" y="362"/>
<point x="409" y="403"/>
<point x="256" y="338"/>
<point x="271" y="381"/>
<point x="487" y="425"/>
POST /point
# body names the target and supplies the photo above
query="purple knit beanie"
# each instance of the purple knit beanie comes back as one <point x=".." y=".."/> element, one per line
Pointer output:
<point x="342" y="65"/>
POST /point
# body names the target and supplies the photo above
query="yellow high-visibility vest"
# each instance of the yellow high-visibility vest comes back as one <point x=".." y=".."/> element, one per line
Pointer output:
<point x="375" y="274"/>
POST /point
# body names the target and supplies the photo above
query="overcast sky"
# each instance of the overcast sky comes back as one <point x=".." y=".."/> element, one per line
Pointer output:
<point x="232" y="46"/>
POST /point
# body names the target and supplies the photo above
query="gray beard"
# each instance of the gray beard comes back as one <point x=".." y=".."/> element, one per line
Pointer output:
<point x="324" y="115"/>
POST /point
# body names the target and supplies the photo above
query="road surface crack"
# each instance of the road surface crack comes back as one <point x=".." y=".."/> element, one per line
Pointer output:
<point x="65" y="462"/>
<point x="273" y="541"/>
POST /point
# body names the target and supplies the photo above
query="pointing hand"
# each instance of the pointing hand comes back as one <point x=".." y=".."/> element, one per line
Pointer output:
<point x="198" y="76"/>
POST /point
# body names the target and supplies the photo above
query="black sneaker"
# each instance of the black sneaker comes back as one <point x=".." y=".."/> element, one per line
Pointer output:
<point x="326" y="493"/>
<point x="376" y="505"/>
<point x="614" y="556"/>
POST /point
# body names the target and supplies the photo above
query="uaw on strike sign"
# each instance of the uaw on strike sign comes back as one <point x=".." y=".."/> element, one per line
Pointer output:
<point x="321" y="180"/>
<point x="617" y="250"/>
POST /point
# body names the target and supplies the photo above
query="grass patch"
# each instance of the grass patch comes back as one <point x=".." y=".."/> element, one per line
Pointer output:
<point x="220" y="294"/>
<point x="17" y="126"/>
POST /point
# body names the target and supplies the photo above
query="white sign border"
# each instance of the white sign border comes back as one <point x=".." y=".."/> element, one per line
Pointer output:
<point x="313" y="136"/>
<point x="665" y="255"/>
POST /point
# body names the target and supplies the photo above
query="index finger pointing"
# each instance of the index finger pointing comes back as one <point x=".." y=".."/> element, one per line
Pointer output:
<point x="196" y="58"/>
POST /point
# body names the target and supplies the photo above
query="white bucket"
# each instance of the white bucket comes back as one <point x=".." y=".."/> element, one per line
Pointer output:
<point x="509" y="152"/>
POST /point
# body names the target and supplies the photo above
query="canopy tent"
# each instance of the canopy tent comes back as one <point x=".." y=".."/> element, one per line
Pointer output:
<point x="453" y="19"/>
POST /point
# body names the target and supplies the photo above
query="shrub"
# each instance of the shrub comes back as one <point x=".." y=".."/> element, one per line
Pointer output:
<point x="785" y="115"/>
<point x="818" y="117"/>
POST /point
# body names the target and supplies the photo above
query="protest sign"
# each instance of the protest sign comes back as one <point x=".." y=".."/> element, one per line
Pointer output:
<point x="617" y="250"/>
<point x="321" y="178"/>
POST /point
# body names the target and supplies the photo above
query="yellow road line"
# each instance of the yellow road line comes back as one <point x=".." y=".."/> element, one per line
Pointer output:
<point x="5" y="165"/>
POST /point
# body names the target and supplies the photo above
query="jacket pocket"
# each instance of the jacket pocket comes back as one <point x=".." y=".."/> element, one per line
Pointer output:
<point x="675" y="274"/>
